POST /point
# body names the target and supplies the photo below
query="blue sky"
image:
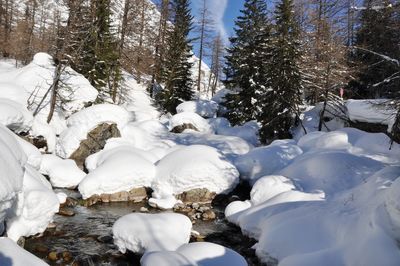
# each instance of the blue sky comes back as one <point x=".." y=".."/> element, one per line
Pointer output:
<point x="224" y="13"/>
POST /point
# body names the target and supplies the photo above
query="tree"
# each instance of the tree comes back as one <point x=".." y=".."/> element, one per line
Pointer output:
<point x="378" y="32"/>
<point x="217" y="62"/>
<point x="245" y="58"/>
<point x="281" y="104"/>
<point x="205" y="26"/>
<point x="177" y="70"/>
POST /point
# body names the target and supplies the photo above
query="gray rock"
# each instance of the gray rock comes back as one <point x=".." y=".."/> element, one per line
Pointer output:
<point x="183" y="127"/>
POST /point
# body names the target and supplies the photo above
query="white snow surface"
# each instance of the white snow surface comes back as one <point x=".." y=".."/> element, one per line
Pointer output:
<point x="115" y="170"/>
<point x="335" y="204"/>
<point x="13" y="255"/>
<point x="142" y="232"/>
<point x="37" y="205"/>
<point x="192" y="167"/>
<point x="63" y="173"/>
<point x="197" y="121"/>
<point x="204" y="108"/>
<point x="195" y="254"/>
<point x="15" y="116"/>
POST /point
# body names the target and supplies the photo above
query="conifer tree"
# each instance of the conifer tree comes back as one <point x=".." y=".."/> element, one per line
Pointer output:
<point x="378" y="33"/>
<point x="244" y="71"/>
<point x="177" y="68"/>
<point x="280" y="106"/>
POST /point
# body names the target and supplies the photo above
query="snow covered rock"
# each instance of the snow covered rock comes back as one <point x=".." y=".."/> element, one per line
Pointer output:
<point x="267" y="160"/>
<point x="183" y="120"/>
<point x="117" y="170"/>
<point x="193" y="254"/>
<point x="63" y="173"/>
<point x="33" y="154"/>
<point x="248" y="132"/>
<point x="13" y="255"/>
<point x="140" y="233"/>
<point x="206" y="109"/>
<point x="37" y="205"/>
<point x="15" y="116"/>
<point x="193" y="167"/>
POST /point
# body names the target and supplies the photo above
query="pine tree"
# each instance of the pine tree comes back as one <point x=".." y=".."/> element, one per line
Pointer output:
<point x="280" y="105"/>
<point x="244" y="62"/>
<point x="177" y="69"/>
<point x="378" y="33"/>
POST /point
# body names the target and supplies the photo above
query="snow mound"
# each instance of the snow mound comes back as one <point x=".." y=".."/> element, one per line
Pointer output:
<point x="268" y="187"/>
<point x="140" y="233"/>
<point x="81" y="123"/>
<point x="204" y="108"/>
<point x="42" y="60"/>
<point x="267" y="160"/>
<point x="37" y="205"/>
<point x="63" y="173"/>
<point x="193" y="254"/>
<point x="248" y="132"/>
<point x="15" y="116"/>
<point x="33" y="154"/>
<point x="368" y="111"/>
<point x="116" y="170"/>
<point x="194" y="167"/>
<point x="200" y="123"/>
<point x="13" y="92"/>
<point x="12" y="254"/>
<point x="12" y="160"/>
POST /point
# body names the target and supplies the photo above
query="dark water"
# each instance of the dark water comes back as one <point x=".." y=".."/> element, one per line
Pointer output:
<point x="86" y="238"/>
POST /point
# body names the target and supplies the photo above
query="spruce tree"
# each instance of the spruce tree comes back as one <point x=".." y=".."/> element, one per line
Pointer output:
<point x="282" y="98"/>
<point x="244" y="70"/>
<point x="378" y="33"/>
<point x="176" y="74"/>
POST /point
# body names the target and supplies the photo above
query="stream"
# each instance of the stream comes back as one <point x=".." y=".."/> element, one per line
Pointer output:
<point x="85" y="239"/>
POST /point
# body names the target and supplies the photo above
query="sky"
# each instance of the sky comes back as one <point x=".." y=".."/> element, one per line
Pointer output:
<point x="223" y="12"/>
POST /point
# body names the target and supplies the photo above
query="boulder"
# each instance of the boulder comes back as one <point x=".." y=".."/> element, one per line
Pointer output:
<point x="198" y="195"/>
<point x="94" y="142"/>
<point x="183" y="127"/>
<point x="134" y="195"/>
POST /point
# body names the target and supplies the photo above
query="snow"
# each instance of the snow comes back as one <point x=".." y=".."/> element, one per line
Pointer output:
<point x="115" y="170"/>
<point x="37" y="205"/>
<point x="190" y="118"/>
<point x="334" y="204"/>
<point x="200" y="253"/>
<point x="369" y="111"/>
<point x="63" y="173"/>
<point x="267" y="160"/>
<point x="12" y="254"/>
<point x="140" y="232"/>
<point x="15" y="116"/>
<point x="193" y="167"/>
<point x="204" y="108"/>
<point x="82" y="122"/>
<point x="248" y="132"/>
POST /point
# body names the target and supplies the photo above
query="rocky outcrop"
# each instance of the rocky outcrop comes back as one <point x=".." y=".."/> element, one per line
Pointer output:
<point x="183" y="127"/>
<point x="135" y="195"/>
<point x="94" y="142"/>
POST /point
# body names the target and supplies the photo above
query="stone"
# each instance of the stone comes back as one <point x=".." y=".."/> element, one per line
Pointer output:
<point x="208" y="215"/>
<point x="67" y="256"/>
<point x="144" y="209"/>
<point x="105" y="239"/>
<point x="21" y="242"/>
<point x="119" y="197"/>
<point x="51" y="225"/>
<point x="94" y="142"/>
<point x="41" y="249"/>
<point x="138" y="194"/>
<point x="183" y="127"/>
<point x="198" y="195"/>
<point x="38" y="141"/>
<point x="66" y="212"/>
<point x="53" y="256"/>
<point x="71" y="202"/>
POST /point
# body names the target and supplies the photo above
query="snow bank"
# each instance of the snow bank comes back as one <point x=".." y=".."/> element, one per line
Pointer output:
<point x="190" y="118"/>
<point x="37" y="205"/>
<point x="248" y="132"/>
<point x="204" y="108"/>
<point x="12" y="254"/>
<point x="12" y="160"/>
<point x="116" y="170"/>
<point x="139" y="232"/>
<point x="33" y="154"/>
<point x="63" y="173"/>
<point x="15" y="116"/>
<point x="193" y="167"/>
<point x="193" y="254"/>
<point x="267" y="160"/>
<point x="335" y="204"/>
<point x="81" y="123"/>
<point x="368" y="111"/>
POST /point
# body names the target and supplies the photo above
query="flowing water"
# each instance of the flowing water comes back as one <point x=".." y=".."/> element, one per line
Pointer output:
<point x="86" y="238"/>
